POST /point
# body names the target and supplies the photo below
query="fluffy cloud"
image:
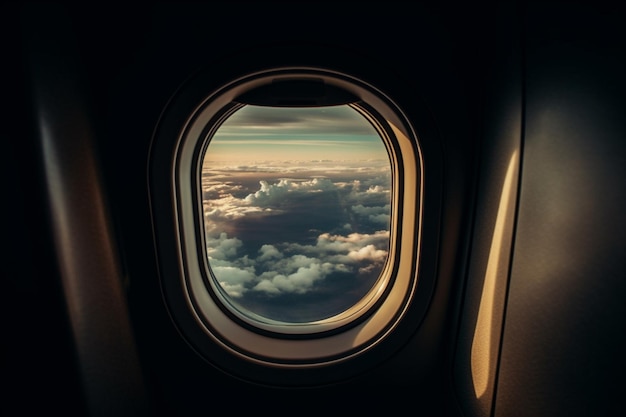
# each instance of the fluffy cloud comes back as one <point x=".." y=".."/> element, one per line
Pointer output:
<point x="298" y="282"/>
<point x="268" y="252"/>
<point x="310" y="243"/>
<point x="218" y="189"/>
<point x="222" y="247"/>
<point x="375" y="214"/>
<point x="228" y="200"/>
<point x="233" y="280"/>
<point x="376" y="189"/>
<point x="368" y="252"/>
<point x="273" y="272"/>
<point x="328" y="244"/>
<point x="276" y="194"/>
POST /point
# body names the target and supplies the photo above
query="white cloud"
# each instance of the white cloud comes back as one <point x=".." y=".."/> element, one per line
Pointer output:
<point x="299" y="272"/>
<point x="230" y="212"/>
<point x="272" y="194"/>
<point x="316" y="184"/>
<point x="374" y="214"/>
<point x="368" y="252"/>
<point x="292" y="266"/>
<point x="366" y="211"/>
<point x="219" y="188"/>
<point x="235" y="291"/>
<point x="227" y="201"/>
<point x="223" y="247"/>
<point x="232" y="279"/>
<point x="267" y="286"/>
<point x="268" y="193"/>
<point x="351" y="249"/>
<point x="287" y="265"/>
<point x="269" y="252"/>
<point x="377" y="189"/>
<point x="298" y="282"/>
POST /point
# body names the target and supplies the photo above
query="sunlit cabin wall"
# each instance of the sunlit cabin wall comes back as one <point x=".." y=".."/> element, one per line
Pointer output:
<point x="564" y="335"/>
<point x="482" y="312"/>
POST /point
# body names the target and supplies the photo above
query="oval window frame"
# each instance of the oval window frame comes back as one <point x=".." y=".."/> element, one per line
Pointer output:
<point x="311" y="345"/>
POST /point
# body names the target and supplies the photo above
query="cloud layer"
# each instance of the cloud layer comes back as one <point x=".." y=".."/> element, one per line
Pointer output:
<point x="297" y="247"/>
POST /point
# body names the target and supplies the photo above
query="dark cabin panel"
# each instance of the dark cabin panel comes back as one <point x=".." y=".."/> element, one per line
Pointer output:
<point x="564" y="335"/>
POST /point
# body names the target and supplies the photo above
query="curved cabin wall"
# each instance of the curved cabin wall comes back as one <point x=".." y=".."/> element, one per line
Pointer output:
<point x="564" y="334"/>
<point x="541" y="329"/>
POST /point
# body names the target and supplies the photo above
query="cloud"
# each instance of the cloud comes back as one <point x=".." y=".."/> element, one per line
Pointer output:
<point x="286" y="189"/>
<point x="231" y="211"/>
<point x="368" y="252"/>
<point x="269" y="194"/>
<point x="223" y="247"/>
<point x="225" y="206"/>
<point x="375" y="214"/>
<point x="233" y="275"/>
<point x="221" y="203"/>
<point x="233" y="280"/>
<point x="222" y="171"/>
<point x="273" y="272"/>
<point x="298" y="282"/>
<point x="368" y="211"/>
<point x="377" y="189"/>
<point x="329" y="243"/>
<point x="317" y="233"/>
<point x="269" y="252"/>
<point x="343" y="251"/>
<point x="218" y="189"/>
<point x="284" y="265"/>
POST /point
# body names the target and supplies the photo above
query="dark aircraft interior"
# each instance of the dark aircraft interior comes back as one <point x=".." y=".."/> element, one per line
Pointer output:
<point x="504" y="297"/>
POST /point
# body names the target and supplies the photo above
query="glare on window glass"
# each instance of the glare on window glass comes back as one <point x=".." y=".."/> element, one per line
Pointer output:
<point x="297" y="205"/>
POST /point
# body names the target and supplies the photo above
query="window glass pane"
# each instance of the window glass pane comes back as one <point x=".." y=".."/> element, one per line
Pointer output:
<point x="297" y="205"/>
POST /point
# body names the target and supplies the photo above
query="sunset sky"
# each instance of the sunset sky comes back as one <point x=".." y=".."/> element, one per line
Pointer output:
<point x="264" y="133"/>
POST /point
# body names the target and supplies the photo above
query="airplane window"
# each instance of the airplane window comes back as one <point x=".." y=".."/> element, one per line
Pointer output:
<point x="287" y="208"/>
<point x="297" y="204"/>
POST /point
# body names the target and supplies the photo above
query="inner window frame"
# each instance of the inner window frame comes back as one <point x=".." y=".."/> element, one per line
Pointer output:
<point x="351" y="316"/>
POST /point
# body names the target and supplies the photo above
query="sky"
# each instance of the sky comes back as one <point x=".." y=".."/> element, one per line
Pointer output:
<point x="297" y="205"/>
<point x="267" y="133"/>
